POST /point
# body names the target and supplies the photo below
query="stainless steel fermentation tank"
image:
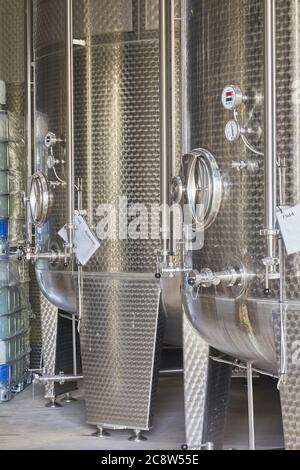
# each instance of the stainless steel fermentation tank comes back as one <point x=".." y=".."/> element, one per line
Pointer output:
<point x="243" y="293"/>
<point x="116" y="151"/>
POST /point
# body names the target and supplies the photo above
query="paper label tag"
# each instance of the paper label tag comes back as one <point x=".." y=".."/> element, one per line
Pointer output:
<point x="289" y="223"/>
<point x="85" y="241"/>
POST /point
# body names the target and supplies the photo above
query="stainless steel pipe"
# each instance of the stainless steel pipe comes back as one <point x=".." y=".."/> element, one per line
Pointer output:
<point x="61" y="379"/>
<point x="168" y="116"/>
<point x="70" y="124"/>
<point x="270" y="130"/>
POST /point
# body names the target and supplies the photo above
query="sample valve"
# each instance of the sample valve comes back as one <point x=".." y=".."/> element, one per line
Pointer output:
<point x="207" y="278"/>
<point x="51" y="140"/>
<point x="232" y="98"/>
<point x="240" y="165"/>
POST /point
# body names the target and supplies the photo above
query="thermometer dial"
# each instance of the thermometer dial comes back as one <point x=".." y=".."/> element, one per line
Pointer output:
<point x="232" y="131"/>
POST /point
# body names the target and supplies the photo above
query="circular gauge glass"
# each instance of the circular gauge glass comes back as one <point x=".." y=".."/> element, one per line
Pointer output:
<point x="40" y="199"/>
<point x="204" y="187"/>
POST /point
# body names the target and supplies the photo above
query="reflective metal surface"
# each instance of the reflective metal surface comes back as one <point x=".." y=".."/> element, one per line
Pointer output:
<point x="172" y="306"/>
<point x="240" y="328"/>
<point x="291" y="383"/>
<point x="117" y="155"/>
<point x="59" y="287"/>
<point x="121" y="338"/>
<point x="56" y="350"/>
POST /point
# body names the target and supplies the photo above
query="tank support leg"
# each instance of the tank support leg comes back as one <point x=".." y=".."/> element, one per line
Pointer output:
<point x="101" y="433"/>
<point x="53" y="404"/>
<point x="68" y="398"/>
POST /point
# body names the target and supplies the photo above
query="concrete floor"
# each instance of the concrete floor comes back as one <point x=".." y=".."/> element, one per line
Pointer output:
<point x="25" y="423"/>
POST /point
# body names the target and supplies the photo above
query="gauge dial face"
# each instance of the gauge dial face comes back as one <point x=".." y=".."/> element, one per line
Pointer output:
<point x="232" y="131"/>
<point x="232" y="98"/>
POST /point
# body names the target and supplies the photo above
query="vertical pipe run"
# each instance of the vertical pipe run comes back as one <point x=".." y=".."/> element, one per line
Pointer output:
<point x="250" y="406"/>
<point x="28" y="59"/>
<point x="270" y="129"/>
<point x="70" y="123"/>
<point x="168" y="116"/>
<point x="186" y="141"/>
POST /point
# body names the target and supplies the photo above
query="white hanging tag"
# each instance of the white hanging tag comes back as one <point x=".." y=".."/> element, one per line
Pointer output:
<point x="85" y="241"/>
<point x="289" y="223"/>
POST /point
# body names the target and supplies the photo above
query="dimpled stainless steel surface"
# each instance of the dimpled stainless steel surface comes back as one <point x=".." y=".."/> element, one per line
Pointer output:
<point x="50" y="88"/>
<point x="110" y="17"/>
<point x="49" y="318"/>
<point x="118" y="340"/>
<point x="126" y="153"/>
<point x="12" y="41"/>
<point x="152" y="14"/>
<point x="12" y="72"/>
<point x="117" y="149"/>
<point x="124" y="138"/>
<point x="217" y="401"/>
<point x="122" y="162"/>
<point x="225" y="45"/>
<point x="207" y="386"/>
<point x="288" y="129"/>
<point x="196" y="362"/>
<point x="36" y="331"/>
<point x="117" y="153"/>
<point x="17" y="173"/>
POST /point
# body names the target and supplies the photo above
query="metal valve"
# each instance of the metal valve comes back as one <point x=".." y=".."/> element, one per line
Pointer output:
<point x="207" y="278"/>
<point x="251" y="166"/>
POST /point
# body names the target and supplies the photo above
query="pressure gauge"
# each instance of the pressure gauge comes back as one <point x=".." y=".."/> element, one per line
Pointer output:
<point x="50" y="140"/>
<point x="232" y="97"/>
<point x="232" y="131"/>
